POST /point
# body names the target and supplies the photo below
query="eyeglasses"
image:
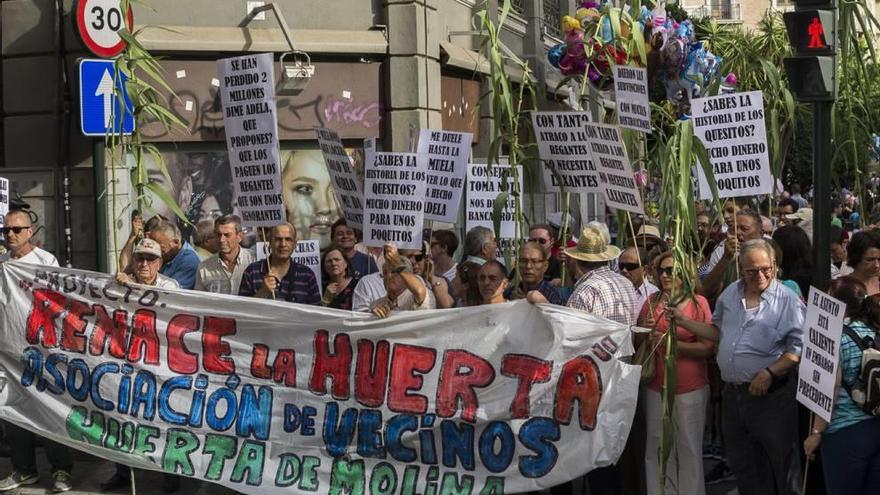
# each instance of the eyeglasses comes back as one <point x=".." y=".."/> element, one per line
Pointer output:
<point x="665" y="270"/>
<point x="16" y="230"/>
<point x="539" y="240"/>
<point x="763" y="270"/>
<point x="630" y="267"/>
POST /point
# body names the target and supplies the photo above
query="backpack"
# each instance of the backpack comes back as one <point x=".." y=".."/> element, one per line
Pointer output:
<point x="865" y="390"/>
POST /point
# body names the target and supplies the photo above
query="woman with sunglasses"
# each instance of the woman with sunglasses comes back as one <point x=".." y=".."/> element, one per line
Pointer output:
<point x="339" y="279"/>
<point x="423" y="266"/>
<point x="685" y="468"/>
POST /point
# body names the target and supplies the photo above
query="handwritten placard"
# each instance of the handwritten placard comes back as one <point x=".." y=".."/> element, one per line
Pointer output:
<point x="345" y="180"/>
<point x="394" y="198"/>
<point x="615" y="171"/>
<point x="448" y="154"/>
<point x="563" y="148"/>
<point x="483" y="187"/>
<point x="732" y="129"/>
<point x="820" y="357"/>
<point x="247" y="92"/>
<point x="631" y="96"/>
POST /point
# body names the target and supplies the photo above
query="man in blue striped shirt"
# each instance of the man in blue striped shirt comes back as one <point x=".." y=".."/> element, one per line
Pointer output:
<point x="278" y="276"/>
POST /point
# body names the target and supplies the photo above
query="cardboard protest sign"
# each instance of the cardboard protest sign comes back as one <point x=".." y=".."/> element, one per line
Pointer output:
<point x="615" y="171"/>
<point x="563" y="148"/>
<point x="817" y="372"/>
<point x="732" y="129"/>
<point x="394" y="195"/>
<point x="448" y="154"/>
<point x="265" y="397"/>
<point x="631" y="96"/>
<point x="483" y="187"/>
<point x="247" y="92"/>
<point x="345" y="180"/>
<point x="307" y="253"/>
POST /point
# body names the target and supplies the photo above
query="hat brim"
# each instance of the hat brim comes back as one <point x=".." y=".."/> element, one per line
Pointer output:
<point x="610" y="253"/>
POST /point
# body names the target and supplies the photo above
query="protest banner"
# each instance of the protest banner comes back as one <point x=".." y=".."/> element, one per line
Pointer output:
<point x="448" y="154"/>
<point x="563" y="148"/>
<point x="307" y="253"/>
<point x="631" y="96"/>
<point x="265" y="397"/>
<point x="394" y="196"/>
<point x="4" y="199"/>
<point x="817" y="372"/>
<point x="732" y="129"/>
<point x="247" y="92"/>
<point x="615" y="171"/>
<point x="345" y="180"/>
<point x="483" y="187"/>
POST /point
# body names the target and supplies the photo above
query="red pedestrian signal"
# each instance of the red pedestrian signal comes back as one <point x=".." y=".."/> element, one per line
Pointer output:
<point x="817" y="34"/>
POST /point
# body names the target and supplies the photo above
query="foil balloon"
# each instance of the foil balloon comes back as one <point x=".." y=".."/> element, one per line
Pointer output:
<point x="555" y="54"/>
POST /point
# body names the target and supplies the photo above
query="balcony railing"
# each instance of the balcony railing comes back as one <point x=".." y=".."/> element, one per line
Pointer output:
<point x="720" y="11"/>
<point x="553" y="18"/>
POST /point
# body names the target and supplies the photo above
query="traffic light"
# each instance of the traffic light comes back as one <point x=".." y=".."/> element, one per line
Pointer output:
<point x="812" y="31"/>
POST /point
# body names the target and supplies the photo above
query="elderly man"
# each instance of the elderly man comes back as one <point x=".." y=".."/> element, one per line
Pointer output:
<point x="222" y="272"/>
<point x="492" y="282"/>
<point x="346" y="238"/>
<point x="147" y="259"/>
<point x="17" y="232"/>
<point x="631" y="265"/>
<point x="758" y="323"/>
<point x="532" y="265"/>
<point x="543" y="235"/>
<point x="404" y="290"/>
<point x="479" y="245"/>
<point x="278" y="276"/>
<point x="721" y="266"/>
<point x="179" y="260"/>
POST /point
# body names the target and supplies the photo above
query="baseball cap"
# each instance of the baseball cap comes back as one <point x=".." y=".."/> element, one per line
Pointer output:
<point x="148" y="246"/>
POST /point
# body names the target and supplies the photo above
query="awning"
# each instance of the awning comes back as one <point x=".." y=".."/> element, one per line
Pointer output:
<point x="242" y="39"/>
<point x="462" y="58"/>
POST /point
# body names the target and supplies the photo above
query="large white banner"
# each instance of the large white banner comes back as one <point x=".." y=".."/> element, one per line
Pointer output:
<point x="817" y="373"/>
<point x="265" y="396"/>
<point x="247" y="92"/>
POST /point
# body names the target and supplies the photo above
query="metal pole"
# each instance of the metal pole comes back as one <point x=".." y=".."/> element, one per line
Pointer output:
<point x="822" y="194"/>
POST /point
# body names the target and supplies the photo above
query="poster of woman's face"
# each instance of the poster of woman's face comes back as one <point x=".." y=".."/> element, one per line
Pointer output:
<point x="201" y="183"/>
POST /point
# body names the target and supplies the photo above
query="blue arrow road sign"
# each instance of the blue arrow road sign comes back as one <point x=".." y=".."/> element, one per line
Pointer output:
<point x="98" y="100"/>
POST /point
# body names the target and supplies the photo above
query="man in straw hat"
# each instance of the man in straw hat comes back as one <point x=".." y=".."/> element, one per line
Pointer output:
<point x="600" y="292"/>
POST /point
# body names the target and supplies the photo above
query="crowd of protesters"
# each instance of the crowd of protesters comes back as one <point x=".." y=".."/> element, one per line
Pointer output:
<point x="738" y="332"/>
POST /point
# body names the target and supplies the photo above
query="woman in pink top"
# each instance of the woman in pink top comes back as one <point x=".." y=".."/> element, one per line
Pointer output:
<point x="684" y="472"/>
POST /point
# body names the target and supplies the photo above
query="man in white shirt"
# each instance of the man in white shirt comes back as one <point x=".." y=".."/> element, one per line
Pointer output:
<point x="17" y="231"/>
<point x="221" y="273"/>
<point x="404" y="290"/>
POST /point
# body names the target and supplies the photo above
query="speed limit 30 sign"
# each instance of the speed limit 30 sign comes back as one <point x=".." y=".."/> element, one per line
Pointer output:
<point x="98" y="22"/>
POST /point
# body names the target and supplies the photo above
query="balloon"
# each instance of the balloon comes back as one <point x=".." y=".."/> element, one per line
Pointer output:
<point x="555" y="54"/>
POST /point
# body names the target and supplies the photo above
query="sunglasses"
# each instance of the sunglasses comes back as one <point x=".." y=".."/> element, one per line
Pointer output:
<point x="630" y="267"/>
<point x="539" y="240"/>
<point x="145" y="257"/>
<point x="665" y="271"/>
<point x="16" y="230"/>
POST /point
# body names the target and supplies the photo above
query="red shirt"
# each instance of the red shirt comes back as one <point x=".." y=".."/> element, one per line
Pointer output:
<point x="691" y="373"/>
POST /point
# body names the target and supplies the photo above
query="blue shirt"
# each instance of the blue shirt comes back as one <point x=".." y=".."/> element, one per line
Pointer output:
<point x="183" y="267"/>
<point x="298" y="285"/>
<point x="753" y="339"/>
<point x="363" y="264"/>
<point x="846" y="412"/>
<point x="548" y="290"/>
